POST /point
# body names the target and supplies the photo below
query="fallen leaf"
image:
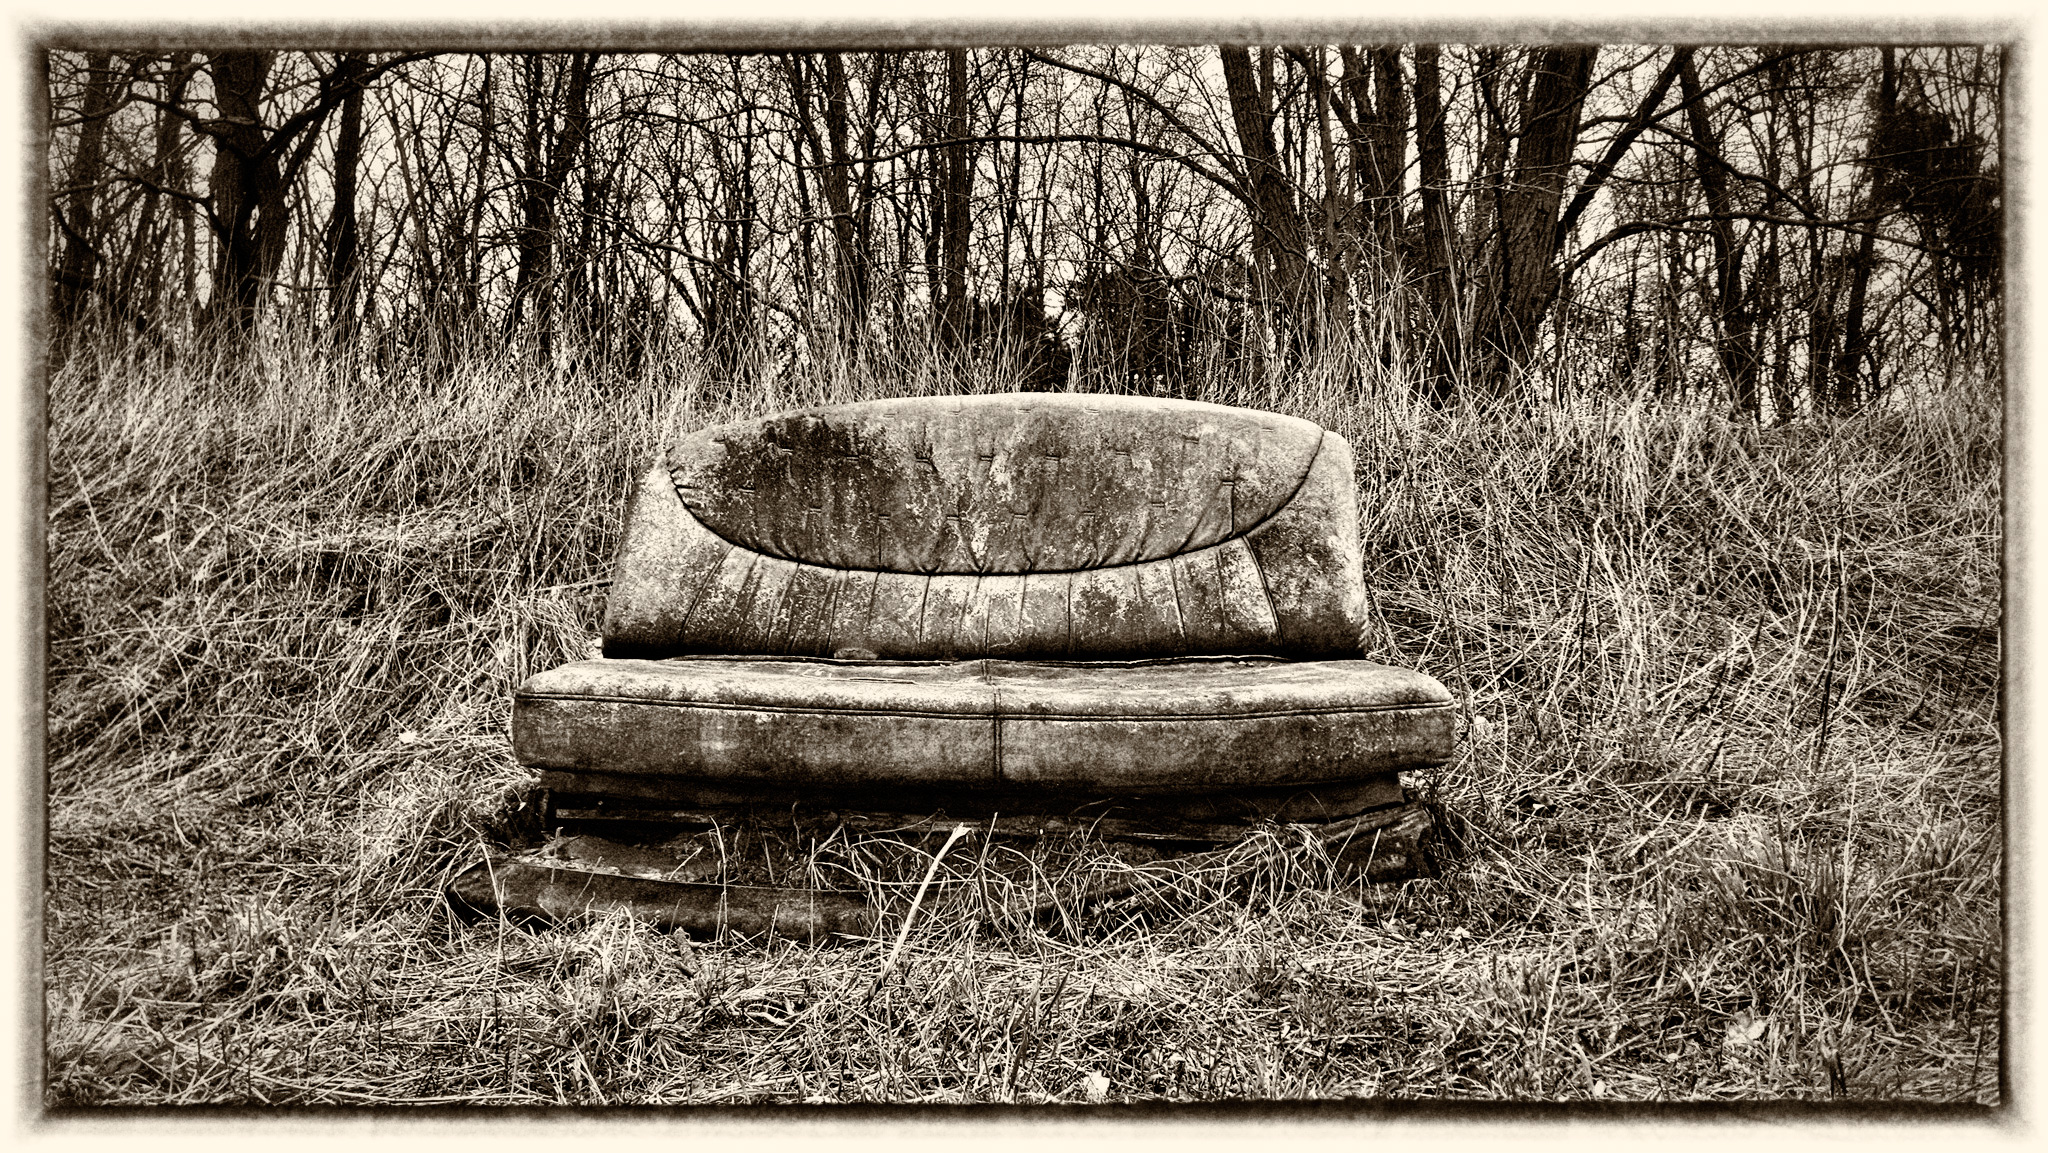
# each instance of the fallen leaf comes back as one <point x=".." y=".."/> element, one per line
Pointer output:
<point x="1095" y="1086"/>
<point x="1744" y="1029"/>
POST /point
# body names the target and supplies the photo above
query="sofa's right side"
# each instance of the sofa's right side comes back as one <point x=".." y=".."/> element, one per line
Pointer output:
<point x="1308" y="554"/>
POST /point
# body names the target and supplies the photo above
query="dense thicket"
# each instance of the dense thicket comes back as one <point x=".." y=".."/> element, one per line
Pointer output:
<point x="1783" y="230"/>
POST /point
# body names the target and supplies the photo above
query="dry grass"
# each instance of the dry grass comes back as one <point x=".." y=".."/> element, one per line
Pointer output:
<point x="1727" y="800"/>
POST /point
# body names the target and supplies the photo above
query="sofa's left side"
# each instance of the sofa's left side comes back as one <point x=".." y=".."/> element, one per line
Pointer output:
<point x="665" y="557"/>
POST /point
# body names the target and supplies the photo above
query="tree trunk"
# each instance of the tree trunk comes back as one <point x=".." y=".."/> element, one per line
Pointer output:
<point x="832" y="173"/>
<point x="1848" y="364"/>
<point x="1340" y="215"/>
<point x="955" y="192"/>
<point x="1278" y="250"/>
<point x="343" y="241"/>
<point x="246" y="193"/>
<point x="1821" y="289"/>
<point x="1383" y="124"/>
<point x="1011" y="200"/>
<point x="1726" y="299"/>
<point x="1522" y="280"/>
<point x="1855" y="339"/>
<point x="1490" y="178"/>
<point x="850" y="245"/>
<point x="77" y="271"/>
<point x="547" y="166"/>
<point x="1439" y="289"/>
<point x="252" y="177"/>
<point x="1391" y="150"/>
<point x="152" y="248"/>
<point x="455" y="304"/>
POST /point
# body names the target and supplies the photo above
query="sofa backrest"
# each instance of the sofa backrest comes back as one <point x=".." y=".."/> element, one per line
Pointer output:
<point x="1050" y="526"/>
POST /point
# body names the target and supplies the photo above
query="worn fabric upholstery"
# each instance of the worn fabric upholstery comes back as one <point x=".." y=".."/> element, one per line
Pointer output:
<point x="1037" y="599"/>
<point x="1133" y="728"/>
<point x="1017" y="526"/>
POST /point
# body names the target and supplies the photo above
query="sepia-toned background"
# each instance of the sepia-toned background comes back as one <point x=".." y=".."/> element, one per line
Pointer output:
<point x="1674" y="375"/>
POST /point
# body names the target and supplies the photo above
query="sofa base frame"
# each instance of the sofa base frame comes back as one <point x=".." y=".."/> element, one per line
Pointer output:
<point x="585" y="796"/>
<point x="580" y="875"/>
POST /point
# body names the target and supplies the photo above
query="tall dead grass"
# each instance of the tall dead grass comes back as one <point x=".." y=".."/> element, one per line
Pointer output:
<point x="1726" y="805"/>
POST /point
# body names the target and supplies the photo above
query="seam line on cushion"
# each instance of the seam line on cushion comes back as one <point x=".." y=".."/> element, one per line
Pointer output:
<point x="988" y="612"/>
<point x="777" y="620"/>
<point x="828" y="617"/>
<point x="1269" y="518"/>
<point x="598" y="777"/>
<point x="874" y="599"/>
<point x="1251" y="554"/>
<point x="995" y="719"/>
<point x="794" y="710"/>
<point x="1180" y="612"/>
<point x="1070" y="615"/>
<point x="924" y="602"/>
<point x="1262" y="714"/>
<point x="804" y="710"/>
<point x="1106" y="662"/>
<point x="710" y="575"/>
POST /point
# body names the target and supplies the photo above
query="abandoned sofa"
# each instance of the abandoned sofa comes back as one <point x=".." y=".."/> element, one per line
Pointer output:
<point x="1014" y="602"/>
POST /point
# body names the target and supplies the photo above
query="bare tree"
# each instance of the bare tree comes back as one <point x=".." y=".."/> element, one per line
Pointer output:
<point x="1787" y="229"/>
<point x="1522" y="276"/>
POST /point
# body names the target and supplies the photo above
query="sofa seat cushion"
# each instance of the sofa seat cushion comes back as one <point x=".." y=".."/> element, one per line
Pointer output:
<point x="1183" y="725"/>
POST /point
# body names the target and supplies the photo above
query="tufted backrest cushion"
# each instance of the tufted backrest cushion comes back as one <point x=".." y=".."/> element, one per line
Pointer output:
<point x="1019" y="525"/>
